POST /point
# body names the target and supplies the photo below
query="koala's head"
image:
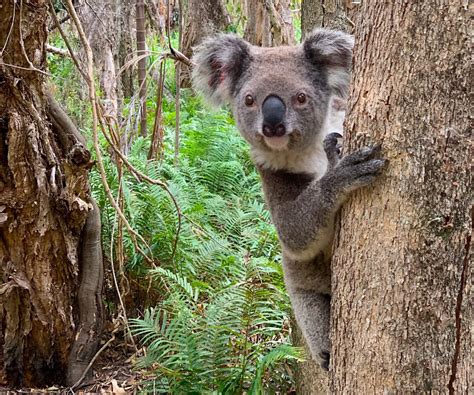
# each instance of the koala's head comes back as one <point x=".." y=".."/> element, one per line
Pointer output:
<point x="279" y="96"/>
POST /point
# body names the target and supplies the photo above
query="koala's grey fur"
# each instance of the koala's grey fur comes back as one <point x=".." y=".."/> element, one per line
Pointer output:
<point x="304" y="180"/>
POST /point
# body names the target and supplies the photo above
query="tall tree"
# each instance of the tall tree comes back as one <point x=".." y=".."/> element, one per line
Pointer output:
<point x="323" y="13"/>
<point x="50" y="269"/>
<point x="141" y="51"/>
<point x="125" y="24"/>
<point x="402" y="307"/>
<point x="269" y="23"/>
<point x="202" y="18"/>
<point x="102" y="29"/>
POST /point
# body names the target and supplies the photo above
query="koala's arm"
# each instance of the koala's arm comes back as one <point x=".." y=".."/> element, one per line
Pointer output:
<point x="305" y="224"/>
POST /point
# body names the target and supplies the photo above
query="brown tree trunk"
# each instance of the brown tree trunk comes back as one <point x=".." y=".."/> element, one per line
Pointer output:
<point x="402" y="305"/>
<point x="141" y="51"/>
<point x="269" y="23"/>
<point x="44" y="204"/>
<point x="202" y="18"/>
<point x="126" y="47"/>
<point x="99" y="17"/>
<point x="157" y="14"/>
<point x="323" y="13"/>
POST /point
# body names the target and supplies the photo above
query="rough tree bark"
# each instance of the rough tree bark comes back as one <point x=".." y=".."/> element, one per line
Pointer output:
<point x="323" y="13"/>
<point x="202" y="18"/>
<point x="100" y="17"/>
<point x="402" y="306"/>
<point x="269" y="23"/>
<point x="141" y="51"/>
<point x="125" y="25"/>
<point x="156" y="12"/>
<point x="44" y="204"/>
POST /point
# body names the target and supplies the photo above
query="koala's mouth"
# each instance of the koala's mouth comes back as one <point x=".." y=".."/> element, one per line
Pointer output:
<point x="278" y="143"/>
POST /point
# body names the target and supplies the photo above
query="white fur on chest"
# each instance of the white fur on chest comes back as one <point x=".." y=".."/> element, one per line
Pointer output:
<point x="311" y="161"/>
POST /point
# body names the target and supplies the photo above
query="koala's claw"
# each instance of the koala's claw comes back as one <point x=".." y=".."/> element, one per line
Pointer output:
<point x="362" y="155"/>
<point x="324" y="355"/>
<point x="365" y="173"/>
<point x="332" y="148"/>
<point x="355" y="170"/>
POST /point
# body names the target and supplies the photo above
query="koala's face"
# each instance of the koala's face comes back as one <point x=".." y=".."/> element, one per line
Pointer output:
<point x="279" y="96"/>
<point x="282" y="100"/>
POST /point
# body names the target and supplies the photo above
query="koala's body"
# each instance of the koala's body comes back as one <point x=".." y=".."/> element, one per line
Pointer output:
<point x="287" y="104"/>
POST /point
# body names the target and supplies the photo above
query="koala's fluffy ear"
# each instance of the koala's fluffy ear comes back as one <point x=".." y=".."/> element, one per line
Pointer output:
<point x="219" y="63"/>
<point x="333" y="50"/>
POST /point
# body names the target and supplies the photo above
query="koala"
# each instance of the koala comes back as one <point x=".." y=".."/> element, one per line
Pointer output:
<point x="288" y="103"/>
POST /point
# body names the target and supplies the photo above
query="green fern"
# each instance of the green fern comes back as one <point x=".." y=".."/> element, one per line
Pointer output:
<point x="223" y="321"/>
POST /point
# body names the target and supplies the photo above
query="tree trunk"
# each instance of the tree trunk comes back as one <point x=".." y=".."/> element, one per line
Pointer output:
<point x="202" y="18"/>
<point x="99" y="18"/>
<point x="141" y="51"/>
<point x="125" y="42"/>
<point x="323" y="13"/>
<point x="156" y="11"/>
<point x="269" y="23"/>
<point x="44" y="204"/>
<point x="402" y="307"/>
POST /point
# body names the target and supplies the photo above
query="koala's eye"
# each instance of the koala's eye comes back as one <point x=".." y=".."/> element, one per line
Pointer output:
<point x="249" y="100"/>
<point x="301" y="98"/>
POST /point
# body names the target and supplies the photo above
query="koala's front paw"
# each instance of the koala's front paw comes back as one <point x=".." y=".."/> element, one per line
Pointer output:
<point x="357" y="169"/>
<point x="324" y="359"/>
<point x="332" y="148"/>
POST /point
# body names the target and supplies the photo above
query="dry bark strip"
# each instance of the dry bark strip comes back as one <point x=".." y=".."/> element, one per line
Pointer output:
<point x="91" y="276"/>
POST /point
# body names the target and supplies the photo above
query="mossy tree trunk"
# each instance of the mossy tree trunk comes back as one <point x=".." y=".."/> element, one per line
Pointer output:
<point x="44" y="205"/>
<point x="402" y="306"/>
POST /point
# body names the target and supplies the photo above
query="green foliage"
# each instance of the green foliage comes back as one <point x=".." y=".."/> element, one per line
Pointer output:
<point x="223" y="322"/>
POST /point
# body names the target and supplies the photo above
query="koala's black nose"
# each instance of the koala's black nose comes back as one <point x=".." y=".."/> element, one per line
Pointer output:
<point x="273" y="110"/>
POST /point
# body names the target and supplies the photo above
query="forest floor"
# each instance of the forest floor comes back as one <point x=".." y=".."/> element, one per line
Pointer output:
<point x="112" y="373"/>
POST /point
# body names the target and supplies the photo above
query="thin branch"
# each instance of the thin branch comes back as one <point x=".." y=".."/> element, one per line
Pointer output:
<point x="10" y="30"/>
<point x="95" y="123"/>
<point x="66" y="41"/>
<point x="143" y="177"/>
<point x="14" y="66"/>
<point x="120" y="259"/>
<point x="180" y="57"/>
<point x="178" y="86"/>
<point x="79" y="381"/>
<point x="61" y="21"/>
<point x="177" y="108"/>
<point x="157" y="137"/>
<point x="57" y="51"/>
<point x="22" y="43"/>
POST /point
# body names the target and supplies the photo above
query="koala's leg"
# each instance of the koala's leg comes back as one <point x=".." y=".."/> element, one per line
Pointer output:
<point x="311" y="310"/>
<point x="309" y="286"/>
